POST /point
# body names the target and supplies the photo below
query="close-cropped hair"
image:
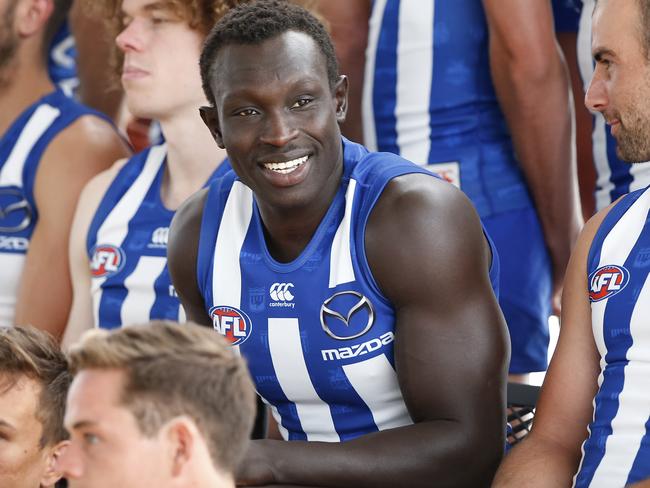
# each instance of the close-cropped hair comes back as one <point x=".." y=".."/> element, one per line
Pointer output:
<point x="259" y="21"/>
<point x="26" y="352"/>
<point x="172" y="370"/>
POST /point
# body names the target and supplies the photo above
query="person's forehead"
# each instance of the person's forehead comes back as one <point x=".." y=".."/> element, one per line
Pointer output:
<point x="93" y="393"/>
<point x="138" y="6"/>
<point x="19" y="398"/>
<point x="616" y="23"/>
<point x="286" y="53"/>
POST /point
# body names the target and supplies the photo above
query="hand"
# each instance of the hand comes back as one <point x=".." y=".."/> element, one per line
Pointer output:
<point x="255" y="468"/>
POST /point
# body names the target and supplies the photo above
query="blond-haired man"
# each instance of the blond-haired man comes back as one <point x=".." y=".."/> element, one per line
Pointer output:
<point x="160" y="405"/>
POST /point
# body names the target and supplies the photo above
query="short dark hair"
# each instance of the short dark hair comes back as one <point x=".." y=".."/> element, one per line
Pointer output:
<point x="26" y="352"/>
<point x="259" y="21"/>
<point x="178" y="369"/>
<point x="54" y="23"/>
<point x="644" y="20"/>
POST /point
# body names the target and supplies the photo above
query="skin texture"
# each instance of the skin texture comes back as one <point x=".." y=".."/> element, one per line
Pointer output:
<point x="80" y="151"/>
<point x="107" y="448"/>
<point x="23" y="462"/>
<point x="161" y="80"/>
<point x="275" y="101"/>
<point x="552" y="450"/>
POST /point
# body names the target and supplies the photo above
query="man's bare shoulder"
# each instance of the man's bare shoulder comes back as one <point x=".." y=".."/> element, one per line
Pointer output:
<point x="187" y="220"/>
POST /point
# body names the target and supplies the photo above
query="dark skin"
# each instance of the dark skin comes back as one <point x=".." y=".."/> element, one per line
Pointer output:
<point x="449" y="330"/>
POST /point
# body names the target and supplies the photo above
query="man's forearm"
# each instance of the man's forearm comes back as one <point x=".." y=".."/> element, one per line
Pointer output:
<point x="407" y="456"/>
<point x="536" y="103"/>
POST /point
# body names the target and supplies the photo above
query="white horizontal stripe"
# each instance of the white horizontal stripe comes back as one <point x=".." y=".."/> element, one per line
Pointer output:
<point x="375" y="381"/>
<point x="293" y="377"/>
<point x="341" y="269"/>
<point x="141" y="295"/>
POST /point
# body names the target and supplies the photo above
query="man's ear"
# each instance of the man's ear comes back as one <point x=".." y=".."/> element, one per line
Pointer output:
<point x="341" y="97"/>
<point x="211" y="119"/>
<point x="32" y="16"/>
<point x="51" y="474"/>
<point x="181" y="434"/>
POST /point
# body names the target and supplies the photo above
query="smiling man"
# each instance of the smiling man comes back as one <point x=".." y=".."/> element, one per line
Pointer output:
<point x="600" y="436"/>
<point x="314" y="259"/>
<point x="34" y="380"/>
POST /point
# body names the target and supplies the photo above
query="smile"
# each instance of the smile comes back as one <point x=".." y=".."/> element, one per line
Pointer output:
<point x="287" y="166"/>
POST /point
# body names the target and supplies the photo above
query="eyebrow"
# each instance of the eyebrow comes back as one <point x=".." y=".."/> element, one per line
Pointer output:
<point x="82" y="424"/>
<point x="6" y="425"/>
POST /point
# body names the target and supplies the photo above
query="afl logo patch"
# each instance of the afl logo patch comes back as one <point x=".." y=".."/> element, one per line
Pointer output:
<point x="607" y="281"/>
<point x="231" y="323"/>
<point x="107" y="260"/>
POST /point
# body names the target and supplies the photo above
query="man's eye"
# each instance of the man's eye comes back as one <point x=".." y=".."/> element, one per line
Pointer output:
<point x="247" y="112"/>
<point x="90" y="439"/>
<point x="301" y="102"/>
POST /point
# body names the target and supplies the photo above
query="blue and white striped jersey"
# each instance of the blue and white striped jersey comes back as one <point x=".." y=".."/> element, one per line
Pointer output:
<point x="21" y="149"/>
<point x="428" y="96"/>
<point x="617" y="451"/>
<point x="613" y="176"/>
<point x="62" y="60"/>
<point x="317" y="332"/>
<point x="127" y="246"/>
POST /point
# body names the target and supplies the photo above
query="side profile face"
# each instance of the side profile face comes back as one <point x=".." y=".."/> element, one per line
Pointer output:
<point x="106" y="447"/>
<point x="160" y="74"/>
<point x="277" y="117"/>
<point x="23" y="462"/>
<point x="620" y="87"/>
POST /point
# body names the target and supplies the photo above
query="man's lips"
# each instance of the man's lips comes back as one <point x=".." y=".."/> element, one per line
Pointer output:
<point x="132" y="72"/>
<point x="284" y="165"/>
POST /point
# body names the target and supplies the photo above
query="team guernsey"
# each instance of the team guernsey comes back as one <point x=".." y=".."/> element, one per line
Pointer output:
<point x="316" y="332"/>
<point x="62" y="60"/>
<point x="613" y="176"/>
<point x="618" y="447"/>
<point x="127" y="246"/>
<point x="428" y="96"/>
<point x="21" y="149"/>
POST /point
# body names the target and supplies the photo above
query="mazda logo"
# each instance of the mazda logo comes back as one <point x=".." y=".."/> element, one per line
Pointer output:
<point x="362" y="303"/>
<point x="20" y="206"/>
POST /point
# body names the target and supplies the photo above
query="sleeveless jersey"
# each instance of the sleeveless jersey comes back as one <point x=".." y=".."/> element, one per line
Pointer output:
<point x="21" y="149"/>
<point x="613" y="176"/>
<point x="617" y="451"/>
<point x="62" y="60"/>
<point x="428" y="96"/>
<point x="317" y="332"/>
<point x="127" y="246"/>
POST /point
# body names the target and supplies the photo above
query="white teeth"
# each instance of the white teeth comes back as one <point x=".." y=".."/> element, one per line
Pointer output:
<point x="287" y="166"/>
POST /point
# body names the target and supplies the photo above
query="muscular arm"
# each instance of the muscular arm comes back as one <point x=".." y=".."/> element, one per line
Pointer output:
<point x="82" y="150"/>
<point x="428" y="254"/>
<point x="532" y="85"/>
<point x="550" y="454"/>
<point x="182" y="253"/>
<point x="81" y="312"/>
<point x="348" y="26"/>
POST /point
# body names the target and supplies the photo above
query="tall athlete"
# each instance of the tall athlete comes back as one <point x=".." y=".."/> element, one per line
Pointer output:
<point x="50" y="146"/>
<point x="118" y="245"/>
<point x="477" y="91"/>
<point x="596" y="393"/>
<point x="316" y="261"/>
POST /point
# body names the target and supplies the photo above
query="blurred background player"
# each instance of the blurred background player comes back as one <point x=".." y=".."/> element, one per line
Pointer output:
<point x="34" y="381"/>
<point x="119" y="239"/>
<point x="157" y="406"/>
<point x="591" y="426"/>
<point x="50" y="147"/>
<point x="478" y="92"/>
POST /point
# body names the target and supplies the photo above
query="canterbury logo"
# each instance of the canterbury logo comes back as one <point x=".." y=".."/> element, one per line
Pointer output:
<point x="160" y="237"/>
<point x="280" y="292"/>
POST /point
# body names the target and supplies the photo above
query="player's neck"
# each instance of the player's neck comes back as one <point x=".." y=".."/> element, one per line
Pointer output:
<point x="192" y="156"/>
<point x="27" y="83"/>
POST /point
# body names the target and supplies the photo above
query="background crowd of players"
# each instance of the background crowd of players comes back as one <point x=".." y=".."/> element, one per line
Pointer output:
<point x="102" y="142"/>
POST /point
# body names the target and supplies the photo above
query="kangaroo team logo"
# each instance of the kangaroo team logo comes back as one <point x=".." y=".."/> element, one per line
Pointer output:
<point x="346" y="315"/>
<point x="107" y="260"/>
<point x="607" y="281"/>
<point x="231" y="323"/>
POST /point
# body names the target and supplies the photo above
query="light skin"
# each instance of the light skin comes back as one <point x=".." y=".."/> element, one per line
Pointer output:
<point x="274" y="103"/>
<point x="108" y="449"/>
<point x="24" y="463"/>
<point x="161" y="80"/>
<point x="552" y="450"/>
<point x="45" y="290"/>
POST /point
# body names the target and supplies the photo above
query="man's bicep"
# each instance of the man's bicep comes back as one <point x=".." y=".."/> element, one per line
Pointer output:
<point x="182" y="256"/>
